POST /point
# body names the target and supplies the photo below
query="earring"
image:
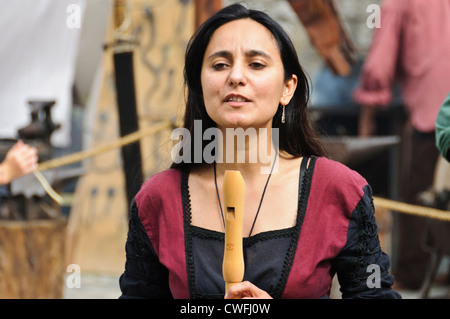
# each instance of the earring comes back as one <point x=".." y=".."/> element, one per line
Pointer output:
<point x="283" y="115"/>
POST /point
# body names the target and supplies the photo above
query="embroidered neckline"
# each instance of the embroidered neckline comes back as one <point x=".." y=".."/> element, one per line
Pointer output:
<point x="247" y="241"/>
<point x="189" y="229"/>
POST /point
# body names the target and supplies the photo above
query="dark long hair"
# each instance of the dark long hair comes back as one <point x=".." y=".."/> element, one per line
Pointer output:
<point x="297" y="136"/>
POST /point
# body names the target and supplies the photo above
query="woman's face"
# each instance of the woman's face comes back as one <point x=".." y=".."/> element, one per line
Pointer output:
<point x="242" y="76"/>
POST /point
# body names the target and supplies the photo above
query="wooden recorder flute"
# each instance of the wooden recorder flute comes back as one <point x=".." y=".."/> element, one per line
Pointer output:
<point x="233" y="258"/>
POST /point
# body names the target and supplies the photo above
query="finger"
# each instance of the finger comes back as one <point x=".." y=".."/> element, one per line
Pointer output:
<point x="242" y="288"/>
<point x="26" y="153"/>
<point x="18" y="144"/>
<point x="29" y="167"/>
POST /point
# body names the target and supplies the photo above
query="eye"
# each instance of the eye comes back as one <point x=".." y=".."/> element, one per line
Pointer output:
<point x="219" y="66"/>
<point x="257" y="65"/>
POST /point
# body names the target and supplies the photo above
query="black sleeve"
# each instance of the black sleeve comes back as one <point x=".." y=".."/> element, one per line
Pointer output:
<point x="361" y="266"/>
<point x="144" y="275"/>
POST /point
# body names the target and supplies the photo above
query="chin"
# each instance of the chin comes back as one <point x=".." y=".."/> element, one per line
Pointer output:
<point x="239" y="124"/>
<point x="243" y="122"/>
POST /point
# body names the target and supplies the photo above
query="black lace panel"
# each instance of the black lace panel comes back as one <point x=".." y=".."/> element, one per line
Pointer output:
<point x="268" y="256"/>
<point x="262" y="255"/>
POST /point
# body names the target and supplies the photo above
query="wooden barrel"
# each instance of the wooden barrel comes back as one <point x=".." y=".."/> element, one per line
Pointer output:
<point x="32" y="259"/>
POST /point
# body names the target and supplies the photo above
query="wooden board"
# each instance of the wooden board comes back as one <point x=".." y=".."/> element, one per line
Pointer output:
<point x="32" y="259"/>
<point x="98" y="221"/>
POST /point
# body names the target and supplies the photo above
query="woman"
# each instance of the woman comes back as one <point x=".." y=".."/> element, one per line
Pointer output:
<point x="313" y="219"/>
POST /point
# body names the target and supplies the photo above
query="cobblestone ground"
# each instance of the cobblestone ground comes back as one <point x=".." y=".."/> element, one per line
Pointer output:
<point x="94" y="286"/>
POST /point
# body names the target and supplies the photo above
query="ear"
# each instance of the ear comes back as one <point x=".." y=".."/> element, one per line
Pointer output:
<point x="289" y="89"/>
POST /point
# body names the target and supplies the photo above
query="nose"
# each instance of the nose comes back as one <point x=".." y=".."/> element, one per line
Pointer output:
<point x="237" y="76"/>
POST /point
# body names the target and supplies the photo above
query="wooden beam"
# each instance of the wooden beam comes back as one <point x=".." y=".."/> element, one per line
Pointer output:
<point x="325" y="31"/>
<point x="204" y="9"/>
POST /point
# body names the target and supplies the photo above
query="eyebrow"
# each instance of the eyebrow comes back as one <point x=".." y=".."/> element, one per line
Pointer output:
<point x="249" y="54"/>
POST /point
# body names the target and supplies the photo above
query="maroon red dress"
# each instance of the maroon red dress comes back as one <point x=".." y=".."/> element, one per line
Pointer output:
<point x="335" y="232"/>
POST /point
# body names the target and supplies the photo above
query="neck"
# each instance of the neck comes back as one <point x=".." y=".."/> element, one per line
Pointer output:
<point x="249" y="151"/>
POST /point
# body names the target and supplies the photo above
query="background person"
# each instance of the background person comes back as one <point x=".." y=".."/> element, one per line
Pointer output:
<point x="20" y="160"/>
<point x="409" y="46"/>
<point x="443" y="129"/>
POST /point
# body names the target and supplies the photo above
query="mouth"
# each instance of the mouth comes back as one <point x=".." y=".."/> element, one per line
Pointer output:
<point x="236" y="99"/>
